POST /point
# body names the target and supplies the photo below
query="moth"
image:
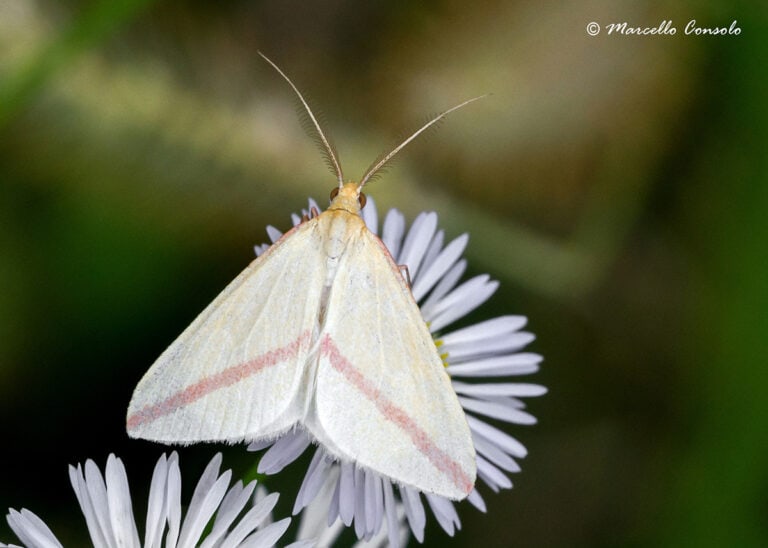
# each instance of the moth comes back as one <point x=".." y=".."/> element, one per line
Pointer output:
<point x="320" y="332"/>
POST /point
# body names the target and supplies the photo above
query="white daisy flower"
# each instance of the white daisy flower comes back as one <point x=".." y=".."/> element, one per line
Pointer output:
<point x="108" y="510"/>
<point x="490" y="350"/>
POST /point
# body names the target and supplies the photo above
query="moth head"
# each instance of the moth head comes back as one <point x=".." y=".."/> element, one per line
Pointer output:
<point x="348" y="196"/>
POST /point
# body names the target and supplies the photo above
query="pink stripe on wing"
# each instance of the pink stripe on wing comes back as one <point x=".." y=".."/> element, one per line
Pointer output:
<point x="392" y="412"/>
<point x="227" y="377"/>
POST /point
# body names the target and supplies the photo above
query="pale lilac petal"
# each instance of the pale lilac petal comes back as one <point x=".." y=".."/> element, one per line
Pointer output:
<point x="173" y="500"/>
<point x="495" y="455"/>
<point x="522" y="363"/>
<point x="251" y="521"/>
<point x="414" y="511"/>
<point x="471" y="350"/>
<point x="231" y="506"/>
<point x="313" y="480"/>
<point x="497" y="410"/>
<point x="207" y="480"/>
<point x="370" y="215"/>
<point x="445" y="513"/>
<point x="443" y="287"/>
<point x="390" y="509"/>
<point x="97" y="491"/>
<point x="517" y="389"/>
<point x="477" y="501"/>
<point x="200" y="514"/>
<point x="463" y="300"/>
<point x="267" y="536"/>
<point x="361" y="527"/>
<point x="31" y="530"/>
<point x="491" y="475"/>
<point x="233" y="503"/>
<point x="392" y="234"/>
<point x="333" y="506"/>
<point x="262" y="509"/>
<point x="284" y="451"/>
<point x="259" y="495"/>
<point x="347" y="493"/>
<point x="488" y="329"/>
<point x="385" y="538"/>
<point x="77" y="479"/>
<point x="312" y="205"/>
<point x="314" y="520"/>
<point x="156" y="505"/>
<point x="496" y="436"/>
<point x="208" y="494"/>
<point x="273" y="233"/>
<point x="432" y="252"/>
<point x="120" y="506"/>
<point x="439" y="267"/>
<point x="374" y="506"/>
<point x="417" y="241"/>
<point x="466" y="290"/>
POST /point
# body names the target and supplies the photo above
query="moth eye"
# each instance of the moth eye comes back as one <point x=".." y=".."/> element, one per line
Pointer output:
<point x="334" y="192"/>
<point x="362" y="199"/>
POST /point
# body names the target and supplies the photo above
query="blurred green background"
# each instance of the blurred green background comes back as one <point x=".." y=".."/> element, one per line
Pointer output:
<point x="615" y="185"/>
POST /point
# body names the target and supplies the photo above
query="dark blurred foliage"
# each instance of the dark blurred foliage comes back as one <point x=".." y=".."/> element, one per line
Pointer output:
<point x="614" y="185"/>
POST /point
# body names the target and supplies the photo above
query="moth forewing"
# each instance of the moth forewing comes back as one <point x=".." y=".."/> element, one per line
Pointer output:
<point x="235" y="373"/>
<point x="383" y="397"/>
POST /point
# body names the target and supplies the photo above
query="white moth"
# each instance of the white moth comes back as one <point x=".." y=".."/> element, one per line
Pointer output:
<point x="320" y="332"/>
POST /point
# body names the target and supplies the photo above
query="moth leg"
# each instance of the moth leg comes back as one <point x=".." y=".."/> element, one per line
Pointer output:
<point x="406" y="274"/>
<point x="312" y="214"/>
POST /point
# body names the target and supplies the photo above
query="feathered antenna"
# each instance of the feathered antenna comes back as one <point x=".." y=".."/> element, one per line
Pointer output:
<point x="381" y="162"/>
<point x="328" y="150"/>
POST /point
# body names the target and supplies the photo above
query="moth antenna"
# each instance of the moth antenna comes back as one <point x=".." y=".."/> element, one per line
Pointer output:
<point x="378" y="165"/>
<point x="401" y="135"/>
<point x="327" y="147"/>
